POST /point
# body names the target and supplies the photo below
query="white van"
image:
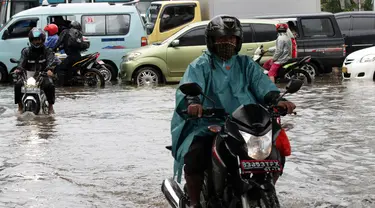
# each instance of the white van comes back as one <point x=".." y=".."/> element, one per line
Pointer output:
<point x="112" y="29"/>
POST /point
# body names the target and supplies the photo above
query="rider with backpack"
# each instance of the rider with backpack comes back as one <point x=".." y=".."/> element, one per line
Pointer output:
<point x="72" y="42"/>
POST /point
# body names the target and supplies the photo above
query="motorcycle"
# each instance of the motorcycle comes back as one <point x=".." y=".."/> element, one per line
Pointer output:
<point x="34" y="100"/>
<point x="245" y="160"/>
<point x="85" y="73"/>
<point x="105" y="69"/>
<point x="292" y="68"/>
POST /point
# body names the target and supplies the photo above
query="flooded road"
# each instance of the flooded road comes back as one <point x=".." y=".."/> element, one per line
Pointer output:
<point x="105" y="148"/>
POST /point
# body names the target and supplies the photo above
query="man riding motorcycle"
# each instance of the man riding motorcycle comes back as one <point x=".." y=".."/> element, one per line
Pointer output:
<point x="35" y="58"/>
<point x="72" y="51"/>
<point x="283" y="51"/>
<point x="231" y="80"/>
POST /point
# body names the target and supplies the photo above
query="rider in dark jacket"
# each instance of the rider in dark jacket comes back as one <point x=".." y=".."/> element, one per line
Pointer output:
<point x="33" y="60"/>
<point x="73" y="53"/>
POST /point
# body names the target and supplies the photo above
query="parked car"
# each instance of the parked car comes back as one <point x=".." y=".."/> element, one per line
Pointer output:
<point x="113" y="29"/>
<point x="318" y="35"/>
<point x="358" y="29"/>
<point x="360" y="65"/>
<point x="168" y="60"/>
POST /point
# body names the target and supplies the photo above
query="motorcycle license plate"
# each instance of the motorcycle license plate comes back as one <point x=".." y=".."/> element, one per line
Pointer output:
<point x="260" y="166"/>
<point x="100" y="62"/>
<point x="30" y="90"/>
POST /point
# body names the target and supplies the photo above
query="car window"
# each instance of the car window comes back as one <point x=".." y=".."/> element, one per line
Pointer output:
<point x="363" y="23"/>
<point x="105" y="25"/>
<point x="264" y="32"/>
<point x="62" y="22"/>
<point x="21" y="29"/>
<point x="344" y="23"/>
<point x="175" y="16"/>
<point x="194" y="37"/>
<point x="19" y="6"/>
<point x="248" y="36"/>
<point x="119" y="24"/>
<point x="321" y="27"/>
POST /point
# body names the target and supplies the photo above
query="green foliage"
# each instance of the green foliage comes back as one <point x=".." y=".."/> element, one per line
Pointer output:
<point x="334" y="6"/>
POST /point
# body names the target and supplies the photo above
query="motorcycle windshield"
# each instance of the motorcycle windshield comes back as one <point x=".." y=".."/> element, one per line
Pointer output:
<point x="253" y="119"/>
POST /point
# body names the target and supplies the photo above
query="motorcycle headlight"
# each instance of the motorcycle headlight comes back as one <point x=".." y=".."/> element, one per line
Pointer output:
<point x="31" y="82"/>
<point x="258" y="148"/>
<point x="130" y="56"/>
<point x="368" y="58"/>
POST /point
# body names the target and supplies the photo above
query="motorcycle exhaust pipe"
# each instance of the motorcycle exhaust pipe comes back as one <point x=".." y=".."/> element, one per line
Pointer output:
<point x="172" y="192"/>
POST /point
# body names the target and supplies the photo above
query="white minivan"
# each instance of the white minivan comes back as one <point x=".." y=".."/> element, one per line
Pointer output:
<point x="112" y="29"/>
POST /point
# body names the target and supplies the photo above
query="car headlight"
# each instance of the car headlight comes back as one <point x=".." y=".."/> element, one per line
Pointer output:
<point x="368" y="58"/>
<point x="258" y="148"/>
<point x="130" y="56"/>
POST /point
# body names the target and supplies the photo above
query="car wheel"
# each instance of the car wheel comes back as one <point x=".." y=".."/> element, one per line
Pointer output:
<point x="147" y="76"/>
<point x="310" y="68"/>
<point x="3" y="74"/>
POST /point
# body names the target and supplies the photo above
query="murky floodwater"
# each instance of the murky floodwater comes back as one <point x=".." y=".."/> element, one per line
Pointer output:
<point x="105" y="148"/>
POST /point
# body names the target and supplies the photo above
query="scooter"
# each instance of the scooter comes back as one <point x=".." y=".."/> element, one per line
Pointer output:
<point x="104" y="69"/>
<point x="34" y="100"/>
<point x="245" y="160"/>
<point x="292" y="68"/>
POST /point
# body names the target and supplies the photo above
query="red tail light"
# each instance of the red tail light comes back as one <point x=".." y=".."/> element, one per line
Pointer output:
<point x="97" y="55"/>
<point x="294" y="48"/>
<point x="143" y="41"/>
<point x="344" y="49"/>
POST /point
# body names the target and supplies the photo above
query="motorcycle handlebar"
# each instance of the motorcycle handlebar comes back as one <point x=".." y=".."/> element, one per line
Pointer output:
<point x="210" y="112"/>
<point x="281" y="111"/>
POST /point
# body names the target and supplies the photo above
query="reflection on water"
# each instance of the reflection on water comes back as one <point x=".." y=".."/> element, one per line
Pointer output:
<point x="105" y="148"/>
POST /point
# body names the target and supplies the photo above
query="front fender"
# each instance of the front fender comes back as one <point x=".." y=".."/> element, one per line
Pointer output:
<point x="128" y="68"/>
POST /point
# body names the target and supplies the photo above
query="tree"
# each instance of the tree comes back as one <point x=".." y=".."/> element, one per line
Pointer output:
<point x="368" y="5"/>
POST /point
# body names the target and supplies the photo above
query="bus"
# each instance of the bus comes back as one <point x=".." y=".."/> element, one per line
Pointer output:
<point x="11" y="7"/>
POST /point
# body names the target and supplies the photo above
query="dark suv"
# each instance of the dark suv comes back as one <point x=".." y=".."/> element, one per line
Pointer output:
<point x="358" y="29"/>
<point x="319" y="36"/>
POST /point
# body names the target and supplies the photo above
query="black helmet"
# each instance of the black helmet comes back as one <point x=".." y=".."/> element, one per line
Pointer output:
<point x="223" y="25"/>
<point x="36" y="33"/>
<point x="76" y="25"/>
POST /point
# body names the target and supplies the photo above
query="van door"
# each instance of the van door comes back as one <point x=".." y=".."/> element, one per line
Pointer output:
<point x="266" y="35"/>
<point x="191" y="45"/>
<point x="172" y="19"/>
<point x="15" y="37"/>
<point x="345" y="25"/>
<point x="322" y="40"/>
<point x="362" y="34"/>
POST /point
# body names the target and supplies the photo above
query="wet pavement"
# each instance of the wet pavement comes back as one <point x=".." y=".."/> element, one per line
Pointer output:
<point x="105" y="148"/>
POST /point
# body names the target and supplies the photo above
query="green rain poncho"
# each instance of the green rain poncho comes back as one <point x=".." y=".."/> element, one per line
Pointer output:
<point x="238" y="81"/>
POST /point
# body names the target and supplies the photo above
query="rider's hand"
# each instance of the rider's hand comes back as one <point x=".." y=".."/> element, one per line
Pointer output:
<point x="17" y="71"/>
<point x="195" y="110"/>
<point x="287" y="105"/>
<point x="49" y="73"/>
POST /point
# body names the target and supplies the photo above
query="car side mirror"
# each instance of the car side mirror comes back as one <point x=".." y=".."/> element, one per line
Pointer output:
<point x="191" y="89"/>
<point x="175" y="43"/>
<point x="6" y="34"/>
<point x="294" y="85"/>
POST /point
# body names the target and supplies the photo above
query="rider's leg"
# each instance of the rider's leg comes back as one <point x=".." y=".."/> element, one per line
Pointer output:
<point x="272" y="73"/>
<point x="196" y="162"/>
<point x="267" y="65"/>
<point x="49" y="89"/>
<point x="18" y="95"/>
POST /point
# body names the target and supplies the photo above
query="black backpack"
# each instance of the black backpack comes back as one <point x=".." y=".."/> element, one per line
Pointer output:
<point x="75" y="40"/>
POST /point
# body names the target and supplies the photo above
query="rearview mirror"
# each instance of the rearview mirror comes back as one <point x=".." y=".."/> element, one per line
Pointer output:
<point x="294" y="85"/>
<point x="13" y="60"/>
<point x="5" y="35"/>
<point x="191" y="89"/>
<point x="175" y="43"/>
<point x="150" y="25"/>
